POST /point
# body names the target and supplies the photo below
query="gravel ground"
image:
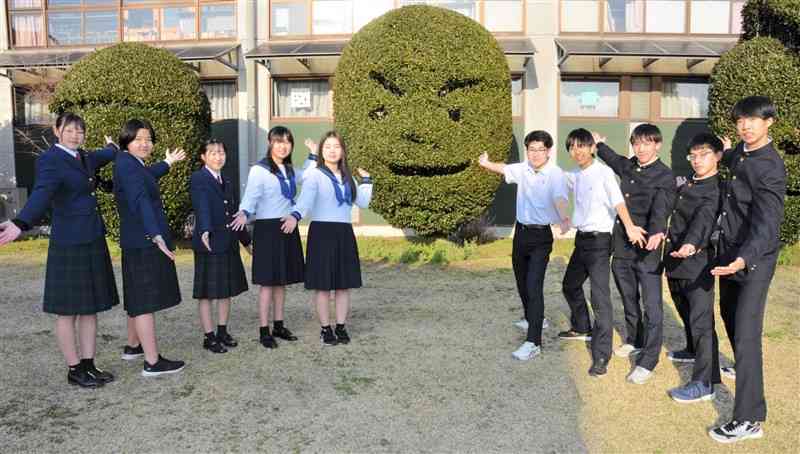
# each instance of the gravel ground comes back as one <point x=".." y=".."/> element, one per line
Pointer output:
<point x="429" y="370"/>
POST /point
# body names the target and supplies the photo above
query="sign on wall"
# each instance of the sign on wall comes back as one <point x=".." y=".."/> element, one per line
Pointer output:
<point x="300" y="98"/>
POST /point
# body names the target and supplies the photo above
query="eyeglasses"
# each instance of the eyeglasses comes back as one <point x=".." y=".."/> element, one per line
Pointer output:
<point x="694" y="157"/>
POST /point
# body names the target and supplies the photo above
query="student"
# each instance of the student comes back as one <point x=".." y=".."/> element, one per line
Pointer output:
<point x="277" y="253"/>
<point x="542" y="200"/>
<point x="648" y="186"/>
<point x="329" y="193"/>
<point x="752" y="212"/>
<point x="79" y="281"/>
<point x="218" y="270"/>
<point x="149" y="278"/>
<point x="597" y="200"/>
<point x="688" y="259"/>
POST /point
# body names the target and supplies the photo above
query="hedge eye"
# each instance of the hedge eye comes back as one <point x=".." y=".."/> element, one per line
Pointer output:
<point x="455" y="114"/>
<point x="378" y="114"/>
<point x="386" y="83"/>
<point x="455" y="84"/>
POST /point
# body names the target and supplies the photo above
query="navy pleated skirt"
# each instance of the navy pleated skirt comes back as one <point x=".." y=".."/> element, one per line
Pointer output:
<point x="218" y="276"/>
<point x="79" y="279"/>
<point x="149" y="281"/>
<point x="277" y="256"/>
<point x="332" y="257"/>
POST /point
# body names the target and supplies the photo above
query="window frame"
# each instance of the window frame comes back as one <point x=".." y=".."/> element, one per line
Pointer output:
<point x="687" y="22"/>
<point x="686" y="79"/>
<point x="119" y="7"/>
<point x="292" y="77"/>
<point x="594" y="78"/>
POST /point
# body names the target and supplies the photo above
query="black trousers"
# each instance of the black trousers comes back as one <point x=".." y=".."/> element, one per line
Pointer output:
<point x="742" y="306"/>
<point x="530" y="255"/>
<point x="643" y="329"/>
<point x="590" y="259"/>
<point x="694" y="300"/>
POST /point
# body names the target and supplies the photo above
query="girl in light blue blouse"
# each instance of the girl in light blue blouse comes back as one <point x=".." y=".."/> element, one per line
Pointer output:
<point x="332" y="263"/>
<point x="277" y="252"/>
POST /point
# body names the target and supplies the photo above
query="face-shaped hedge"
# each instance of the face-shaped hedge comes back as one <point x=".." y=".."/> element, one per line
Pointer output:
<point x="419" y="94"/>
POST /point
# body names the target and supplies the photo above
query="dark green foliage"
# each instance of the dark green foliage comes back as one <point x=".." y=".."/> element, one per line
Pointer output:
<point x="790" y="233"/>
<point x="133" y="80"/>
<point x="420" y="93"/>
<point x="779" y="19"/>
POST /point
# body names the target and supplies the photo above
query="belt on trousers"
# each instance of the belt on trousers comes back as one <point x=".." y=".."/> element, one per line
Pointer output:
<point x="533" y="226"/>
<point x="592" y="234"/>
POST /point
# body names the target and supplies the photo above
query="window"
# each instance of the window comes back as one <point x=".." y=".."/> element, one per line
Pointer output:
<point x="624" y="16"/>
<point x="517" y="98"/>
<point x="27" y="30"/>
<point x="222" y="97"/>
<point x="684" y="99"/>
<point x="32" y="107"/>
<point x="301" y="98"/>
<point x="64" y="28"/>
<point x="640" y="97"/>
<point x="332" y="17"/>
<point x="218" y="21"/>
<point x="579" y="15"/>
<point x="465" y="7"/>
<point x="589" y="98"/>
<point x="178" y="23"/>
<point x="665" y="16"/>
<point x="710" y="16"/>
<point x="290" y="18"/>
<point x="367" y="11"/>
<point x="141" y="24"/>
<point x="503" y="15"/>
<point x="101" y="27"/>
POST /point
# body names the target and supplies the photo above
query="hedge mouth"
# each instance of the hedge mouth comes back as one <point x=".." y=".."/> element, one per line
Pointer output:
<point x="427" y="171"/>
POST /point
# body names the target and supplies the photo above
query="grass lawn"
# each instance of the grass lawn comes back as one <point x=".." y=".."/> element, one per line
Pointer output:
<point x="429" y="370"/>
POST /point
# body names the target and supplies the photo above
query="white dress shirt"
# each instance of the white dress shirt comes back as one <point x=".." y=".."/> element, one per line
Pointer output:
<point x="537" y="192"/>
<point x="319" y="198"/>
<point x="597" y="194"/>
<point x="263" y="198"/>
<point x="72" y="153"/>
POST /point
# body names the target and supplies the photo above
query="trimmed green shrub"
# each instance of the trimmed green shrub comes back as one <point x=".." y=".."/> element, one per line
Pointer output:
<point x="132" y="80"/>
<point x="419" y="94"/>
<point x="790" y="233"/>
<point x="779" y="19"/>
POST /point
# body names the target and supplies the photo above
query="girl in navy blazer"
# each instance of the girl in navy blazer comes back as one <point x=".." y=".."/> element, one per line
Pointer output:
<point x="79" y="281"/>
<point x="149" y="278"/>
<point x="218" y="270"/>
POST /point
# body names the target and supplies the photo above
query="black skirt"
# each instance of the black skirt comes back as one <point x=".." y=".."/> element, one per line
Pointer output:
<point x="79" y="279"/>
<point x="149" y="281"/>
<point x="332" y="257"/>
<point x="277" y="257"/>
<point x="218" y="276"/>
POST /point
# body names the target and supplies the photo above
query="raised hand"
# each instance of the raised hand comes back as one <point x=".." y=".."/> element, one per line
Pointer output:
<point x="163" y="246"/>
<point x="9" y="232"/>
<point x="312" y="146"/>
<point x="110" y="141"/>
<point x="289" y="223"/>
<point x="239" y="221"/>
<point x="483" y="159"/>
<point x="176" y="155"/>
<point x="636" y="235"/>
<point x="598" y="138"/>
<point x="726" y="143"/>
<point x="687" y="250"/>
<point x="362" y="172"/>
<point x="206" y="240"/>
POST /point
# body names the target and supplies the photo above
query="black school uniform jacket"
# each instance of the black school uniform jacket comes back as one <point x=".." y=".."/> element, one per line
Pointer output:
<point x="649" y="193"/>
<point x="214" y="208"/>
<point x="752" y="210"/>
<point x="693" y="220"/>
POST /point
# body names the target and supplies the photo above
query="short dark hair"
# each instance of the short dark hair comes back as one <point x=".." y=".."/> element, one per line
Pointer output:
<point x="754" y="106"/>
<point x="706" y="139"/>
<point x="68" y="118"/>
<point x="130" y="129"/>
<point x="211" y="142"/>
<point x="580" y="138"/>
<point x="280" y="132"/>
<point x="646" y="132"/>
<point x="539" y="136"/>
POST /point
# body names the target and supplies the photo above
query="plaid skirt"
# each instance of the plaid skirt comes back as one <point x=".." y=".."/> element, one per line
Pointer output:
<point x="149" y="281"/>
<point x="218" y="276"/>
<point x="277" y="257"/>
<point x="79" y="279"/>
<point x="332" y="257"/>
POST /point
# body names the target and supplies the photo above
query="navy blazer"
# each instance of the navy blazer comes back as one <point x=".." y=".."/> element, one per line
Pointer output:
<point x="214" y="206"/>
<point x="141" y="213"/>
<point x="67" y="186"/>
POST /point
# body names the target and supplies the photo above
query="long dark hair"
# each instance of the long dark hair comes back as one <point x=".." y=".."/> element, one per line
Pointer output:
<point x="347" y="176"/>
<point x="280" y="132"/>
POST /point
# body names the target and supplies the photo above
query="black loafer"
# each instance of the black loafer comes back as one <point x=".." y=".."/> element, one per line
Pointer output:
<point x="599" y="367"/>
<point x="81" y="378"/>
<point x="227" y="340"/>
<point x="284" y="333"/>
<point x="341" y="336"/>
<point x="268" y="342"/>
<point x="213" y="346"/>
<point x="99" y="375"/>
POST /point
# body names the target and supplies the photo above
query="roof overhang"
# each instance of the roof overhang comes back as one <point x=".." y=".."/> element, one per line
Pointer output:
<point x="649" y="51"/>
<point x="226" y="54"/>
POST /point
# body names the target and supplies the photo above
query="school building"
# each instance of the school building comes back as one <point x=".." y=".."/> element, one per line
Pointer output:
<point x="606" y="65"/>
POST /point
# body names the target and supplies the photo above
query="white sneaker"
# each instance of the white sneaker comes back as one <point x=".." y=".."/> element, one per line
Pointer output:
<point x="728" y="372"/>
<point x="626" y="350"/>
<point x="523" y="324"/>
<point x="526" y="351"/>
<point x="640" y="375"/>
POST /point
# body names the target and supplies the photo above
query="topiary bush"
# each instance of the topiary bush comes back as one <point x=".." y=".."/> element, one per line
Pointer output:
<point x="419" y="94"/>
<point x="764" y="66"/>
<point x="132" y="80"/>
<point x="779" y="19"/>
